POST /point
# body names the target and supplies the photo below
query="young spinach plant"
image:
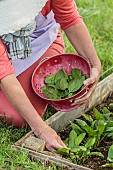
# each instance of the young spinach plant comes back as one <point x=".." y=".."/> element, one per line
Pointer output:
<point x="87" y="134"/>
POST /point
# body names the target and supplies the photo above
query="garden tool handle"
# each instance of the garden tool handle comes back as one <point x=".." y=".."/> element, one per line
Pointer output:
<point x="72" y="100"/>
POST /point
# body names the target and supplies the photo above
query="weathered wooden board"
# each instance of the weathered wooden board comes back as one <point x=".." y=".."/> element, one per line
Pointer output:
<point x="51" y="159"/>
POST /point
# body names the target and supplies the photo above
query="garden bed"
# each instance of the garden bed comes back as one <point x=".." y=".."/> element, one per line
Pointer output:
<point x="95" y="162"/>
<point x="103" y="90"/>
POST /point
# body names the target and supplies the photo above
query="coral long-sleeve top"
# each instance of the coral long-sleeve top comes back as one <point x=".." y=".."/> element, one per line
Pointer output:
<point x="65" y="13"/>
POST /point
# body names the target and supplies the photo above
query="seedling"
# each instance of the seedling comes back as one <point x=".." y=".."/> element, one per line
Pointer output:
<point x="86" y="135"/>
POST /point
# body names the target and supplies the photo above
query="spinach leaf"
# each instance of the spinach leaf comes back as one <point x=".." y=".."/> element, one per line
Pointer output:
<point x="97" y="114"/>
<point x="110" y="154"/>
<point x="59" y="75"/>
<point x="75" y="84"/>
<point x="50" y="92"/>
<point x="76" y="73"/>
<point x="60" y="85"/>
<point x="63" y="151"/>
<point x="62" y="93"/>
<point x="99" y="154"/>
<point x="72" y="138"/>
<point x="49" y="80"/>
<point x="90" y="142"/>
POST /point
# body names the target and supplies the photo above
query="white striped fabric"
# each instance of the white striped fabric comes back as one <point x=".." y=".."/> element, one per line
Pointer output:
<point x="16" y="14"/>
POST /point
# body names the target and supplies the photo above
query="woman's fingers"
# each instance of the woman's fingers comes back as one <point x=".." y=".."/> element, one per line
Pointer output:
<point x="91" y="82"/>
<point x="61" y="142"/>
<point x="94" y="76"/>
<point x="52" y="140"/>
<point x="86" y="98"/>
<point x="55" y="145"/>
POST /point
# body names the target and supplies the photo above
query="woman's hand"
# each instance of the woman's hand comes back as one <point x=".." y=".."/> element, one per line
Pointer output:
<point x="18" y="98"/>
<point x="91" y="82"/>
<point x="52" y="140"/>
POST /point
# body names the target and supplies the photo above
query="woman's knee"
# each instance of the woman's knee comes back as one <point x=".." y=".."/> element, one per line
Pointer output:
<point x="8" y="113"/>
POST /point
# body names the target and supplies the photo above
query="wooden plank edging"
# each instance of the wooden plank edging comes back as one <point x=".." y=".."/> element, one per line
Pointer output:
<point x="48" y="159"/>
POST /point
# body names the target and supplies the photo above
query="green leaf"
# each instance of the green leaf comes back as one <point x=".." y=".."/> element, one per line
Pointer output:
<point x="79" y="139"/>
<point x="90" y="142"/>
<point x="93" y="124"/>
<point x="50" y="92"/>
<point x="62" y="94"/>
<point x="78" y="149"/>
<point x="85" y="126"/>
<point x="81" y="122"/>
<point x="109" y="165"/>
<point x="105" y="110"/>
<point x="57" y="85"/>
<point x="72" y="86"/>
<point x="70" y="94"/>
<point x="109" y="124"/>
<point x="76" y="128"/>
<point x="87" y="117"/>
<point x="107" y="114"/>
<point x="109" y="129"/>
<point x="97" y="114"/>
<point x="96" y="154"/>
<point x="63" y="83"/>
<point x="75" y="84"/>
<point x="76" y="73"/>
<point x="110" y="134"/>
<point x="111" y="105"/>
<point x="72" y="138"/>
<point x="108" y="117"/>
<point x="89" y="130"/>
<point x="63" y="151"/>
<point x="70" y="77"/>
<point x="59" y="75"/>
<point x="110" y="154"/>
<point x="101" y="127"/>
<point x="50" y="79"/>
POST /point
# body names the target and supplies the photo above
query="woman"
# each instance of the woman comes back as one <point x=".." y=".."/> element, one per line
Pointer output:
<point x="24" y="29"/>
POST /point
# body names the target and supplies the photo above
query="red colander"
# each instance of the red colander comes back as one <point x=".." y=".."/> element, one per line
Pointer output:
<point x="51" y="66"/>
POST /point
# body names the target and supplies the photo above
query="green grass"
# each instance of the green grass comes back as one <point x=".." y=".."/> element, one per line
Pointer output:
<point x="11" y="159"/>
<point x="98" y="17"/>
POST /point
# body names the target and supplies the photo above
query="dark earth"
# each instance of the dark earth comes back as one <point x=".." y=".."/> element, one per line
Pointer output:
<point x="95" y="163"/>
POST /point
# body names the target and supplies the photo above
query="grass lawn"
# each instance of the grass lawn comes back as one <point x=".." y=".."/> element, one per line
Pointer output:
<point x="98" y="17"/>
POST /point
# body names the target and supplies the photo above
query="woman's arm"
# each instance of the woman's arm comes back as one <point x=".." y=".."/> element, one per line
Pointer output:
<point x="13" y="90"/>
<point x="80" y="39"/>
<point x="66" y="13"/>
<point x="20" y="101"/>
<point x="16" y="95"/>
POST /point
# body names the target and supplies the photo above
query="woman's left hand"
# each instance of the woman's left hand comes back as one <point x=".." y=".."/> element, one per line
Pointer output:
<point x="91" y="82"/>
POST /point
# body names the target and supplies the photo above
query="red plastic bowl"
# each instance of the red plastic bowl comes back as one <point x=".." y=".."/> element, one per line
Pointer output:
<point x="51" y="66"/>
